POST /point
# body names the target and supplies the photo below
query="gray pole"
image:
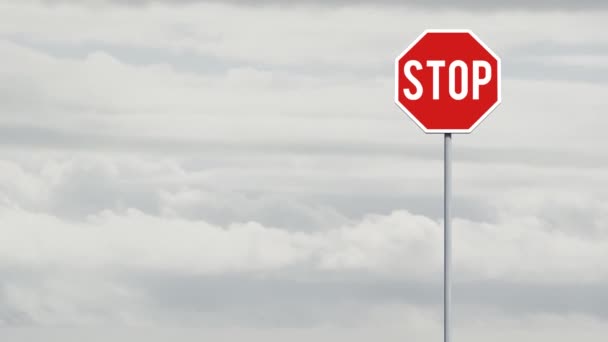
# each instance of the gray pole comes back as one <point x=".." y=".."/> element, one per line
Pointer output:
<point x="447" y="240"/>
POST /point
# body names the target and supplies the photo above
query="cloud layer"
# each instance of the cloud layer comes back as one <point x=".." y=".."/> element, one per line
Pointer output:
<point x="237" y="170"/>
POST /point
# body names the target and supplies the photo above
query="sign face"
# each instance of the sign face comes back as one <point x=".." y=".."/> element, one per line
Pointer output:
<point x="447" y="81"/>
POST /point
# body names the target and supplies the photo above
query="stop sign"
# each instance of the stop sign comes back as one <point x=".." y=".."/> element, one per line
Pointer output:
<point x="447" y="81"/>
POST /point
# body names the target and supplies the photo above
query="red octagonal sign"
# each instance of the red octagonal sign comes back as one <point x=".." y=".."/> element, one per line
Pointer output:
<point x="447" y="81"/>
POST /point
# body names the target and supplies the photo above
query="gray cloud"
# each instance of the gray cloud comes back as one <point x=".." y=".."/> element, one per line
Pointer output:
<point x="438" y="4"/>
<point x="299" y="300"/>
<point x="306" y="299"/>
<point x="37" y="136"/>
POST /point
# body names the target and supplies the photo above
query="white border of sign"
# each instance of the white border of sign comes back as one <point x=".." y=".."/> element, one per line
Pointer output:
<point x="499" y="80"/>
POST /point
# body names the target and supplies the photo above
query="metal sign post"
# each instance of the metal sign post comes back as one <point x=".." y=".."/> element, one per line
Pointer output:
<point x="447" y="239"/>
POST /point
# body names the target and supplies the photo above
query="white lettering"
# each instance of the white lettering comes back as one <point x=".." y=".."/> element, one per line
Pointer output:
<point x="435" y="65"/>
<point x="464" y="80"/>
<point x="476" y="81"/>
<point x="408" y="74"/>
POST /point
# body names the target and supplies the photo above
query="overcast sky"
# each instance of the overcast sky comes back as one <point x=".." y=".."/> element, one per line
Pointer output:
<point x="188" y="170"/>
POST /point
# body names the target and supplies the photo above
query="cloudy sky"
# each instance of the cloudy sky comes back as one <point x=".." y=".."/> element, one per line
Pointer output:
<point x="187" y="170"/>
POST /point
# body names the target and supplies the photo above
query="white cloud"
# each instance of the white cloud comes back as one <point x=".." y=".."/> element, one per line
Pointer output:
<point x="520" y="248"/>
<point x="119" y="268"/>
